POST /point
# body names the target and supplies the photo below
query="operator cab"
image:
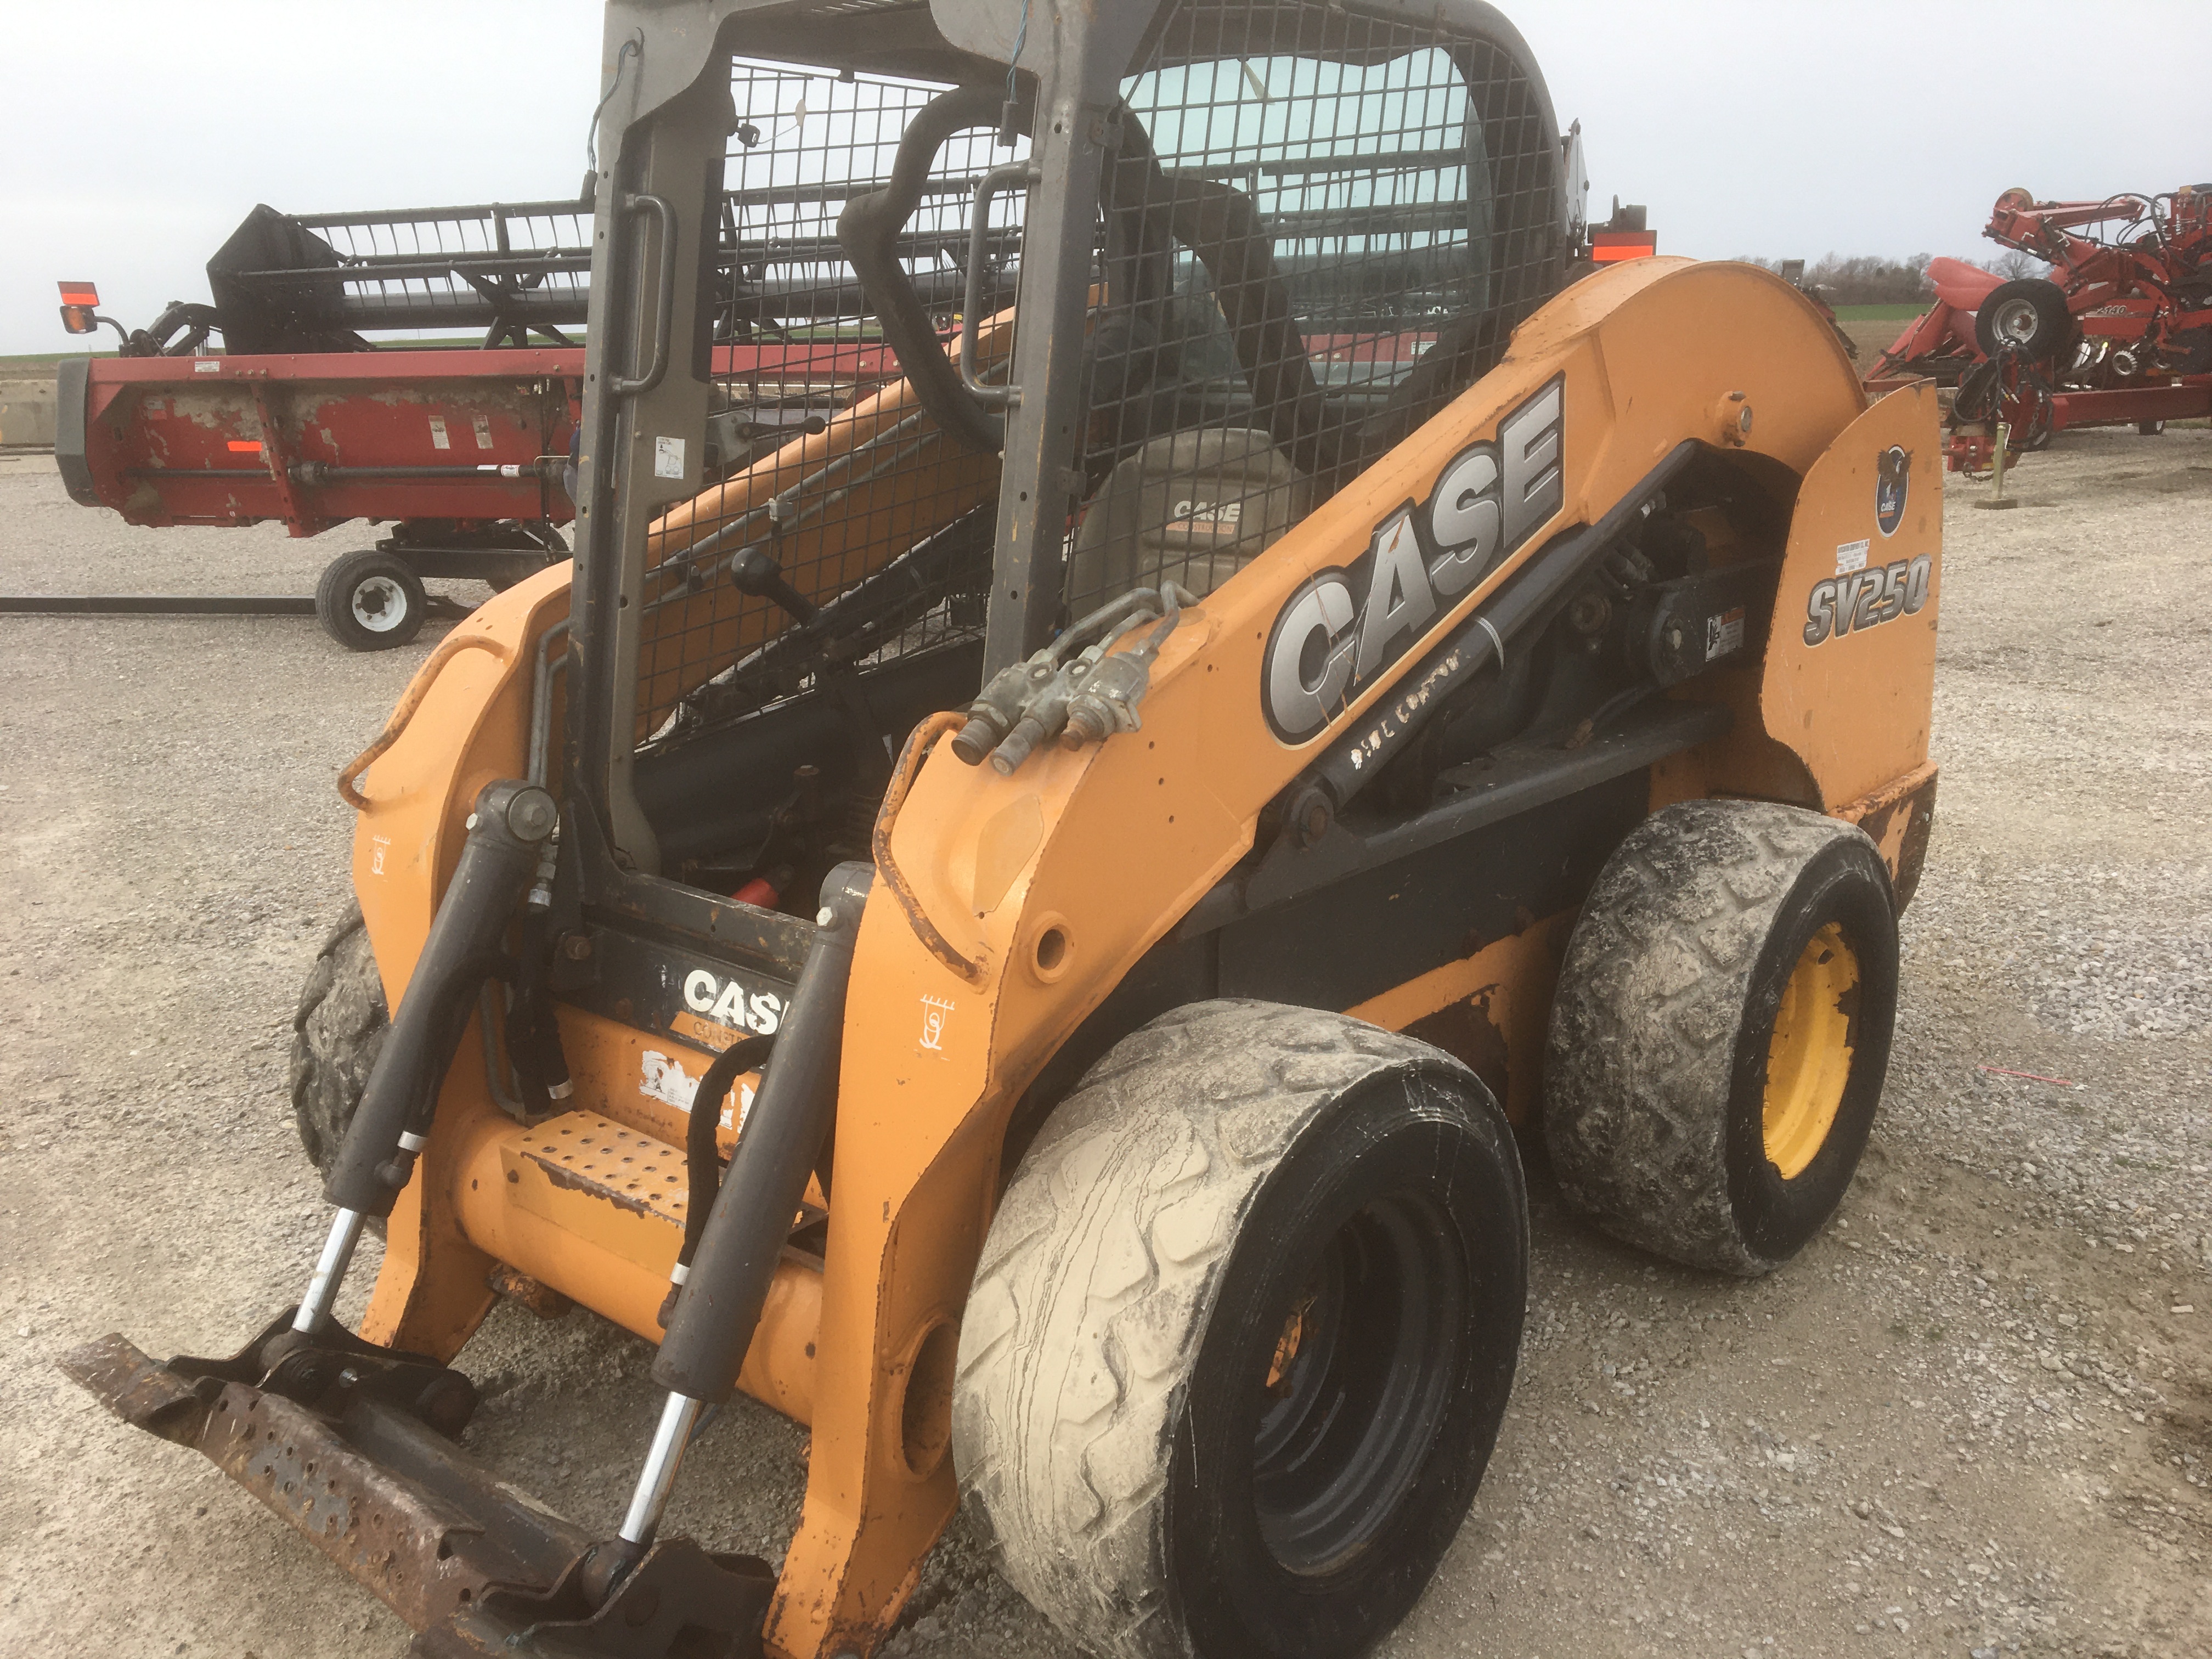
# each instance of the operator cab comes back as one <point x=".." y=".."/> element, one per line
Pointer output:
<point x="1316" y="228"/>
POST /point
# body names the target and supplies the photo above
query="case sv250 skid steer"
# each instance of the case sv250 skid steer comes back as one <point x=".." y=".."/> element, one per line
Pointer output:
<point x="1104" y="839"/>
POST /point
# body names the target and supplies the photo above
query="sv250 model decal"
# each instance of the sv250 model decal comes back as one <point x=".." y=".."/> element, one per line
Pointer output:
<point x="1842" y="604"/>
<point x="1345" y="629"/>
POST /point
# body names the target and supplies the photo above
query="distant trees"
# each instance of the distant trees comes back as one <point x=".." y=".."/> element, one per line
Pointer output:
<point x="1870" y="281"/>
<point x="2012" y="264"/>
<point x="1866" y="280"/>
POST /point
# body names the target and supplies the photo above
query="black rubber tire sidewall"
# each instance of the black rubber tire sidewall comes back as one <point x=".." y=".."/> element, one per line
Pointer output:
<point x="1235" y="1600"/>
<point x="334" y="600"/>
<point x="1846" y="882"/>
<point x="339" y="1031"/>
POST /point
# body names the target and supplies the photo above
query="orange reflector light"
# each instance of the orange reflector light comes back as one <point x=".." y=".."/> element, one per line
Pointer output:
<point x="243" y="447"/>
<point x="79" y="294"/>
<point x="77" y="319"/>
<point x="1610" y="247"/>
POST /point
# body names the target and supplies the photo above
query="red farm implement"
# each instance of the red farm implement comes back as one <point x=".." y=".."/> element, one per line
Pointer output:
<point x="458" y="453"/>
<point x="2120" y="333"/>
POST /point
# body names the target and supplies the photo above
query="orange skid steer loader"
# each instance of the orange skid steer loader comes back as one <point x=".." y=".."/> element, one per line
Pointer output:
<point x="1019" y="929"/>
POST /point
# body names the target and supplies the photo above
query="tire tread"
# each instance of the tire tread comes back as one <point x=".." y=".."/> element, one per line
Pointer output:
<point x="338" y="1032"/>
<point x="1141" y="1174"/>
<point x="1645" y="1024"/>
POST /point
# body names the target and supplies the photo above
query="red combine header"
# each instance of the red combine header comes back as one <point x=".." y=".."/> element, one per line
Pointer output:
<point x="458" y="453"/>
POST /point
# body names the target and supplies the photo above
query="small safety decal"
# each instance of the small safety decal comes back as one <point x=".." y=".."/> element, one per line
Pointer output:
<point x="1852" y="555"/>
<point x="935" y="1012"/>
<point x="438" y="438"/>
<point x="1724" y="634"/>
<point x="668" y="458"/>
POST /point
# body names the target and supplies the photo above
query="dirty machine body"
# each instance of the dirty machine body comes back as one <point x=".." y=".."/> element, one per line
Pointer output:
<point x="1108" y="839"/>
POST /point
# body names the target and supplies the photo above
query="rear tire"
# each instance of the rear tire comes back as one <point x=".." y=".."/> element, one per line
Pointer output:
<point x="1721" y="1030"/>
<point x="1242" y="1333"/>
<point x="336" y="1033"/>
<point x="371" y="600"/>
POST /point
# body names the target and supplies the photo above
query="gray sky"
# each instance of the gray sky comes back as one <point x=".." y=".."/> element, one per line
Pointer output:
<point x="137" y="136"/>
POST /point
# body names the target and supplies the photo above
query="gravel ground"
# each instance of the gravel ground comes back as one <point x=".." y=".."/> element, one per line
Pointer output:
<point x="1972" y="1419"/>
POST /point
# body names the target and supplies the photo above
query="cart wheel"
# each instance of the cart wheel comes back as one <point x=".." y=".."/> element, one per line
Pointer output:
<point x="2151" y="429"/>
<point x="371" y="601"/>
<point x="2029" y="315"/>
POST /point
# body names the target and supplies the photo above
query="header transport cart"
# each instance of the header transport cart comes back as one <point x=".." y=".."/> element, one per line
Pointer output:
<point x="460" y="454"/>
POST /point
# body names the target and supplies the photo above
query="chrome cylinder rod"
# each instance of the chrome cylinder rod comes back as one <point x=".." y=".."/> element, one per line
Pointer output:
<point x="657" y="1479"/>
<point x="330" y="1272"/>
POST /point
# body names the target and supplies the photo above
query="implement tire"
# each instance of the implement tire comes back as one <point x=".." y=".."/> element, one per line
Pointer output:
<point x="371" y="600"/>
<point x="336" y="1033"/>
<point x="1721" y="1031"/>
<point x="1244" y="1329"/>
<point x="2029" y="315"/>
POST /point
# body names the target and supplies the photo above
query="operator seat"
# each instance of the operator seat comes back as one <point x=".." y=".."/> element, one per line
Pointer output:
<point x="1193" y="506"/>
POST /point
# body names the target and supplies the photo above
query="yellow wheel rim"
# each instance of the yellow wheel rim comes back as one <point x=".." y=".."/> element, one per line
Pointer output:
<point x="1808" y="1059"/>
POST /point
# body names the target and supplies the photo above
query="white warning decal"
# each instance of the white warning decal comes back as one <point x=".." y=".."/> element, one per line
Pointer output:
<point x="666" y="1081"/>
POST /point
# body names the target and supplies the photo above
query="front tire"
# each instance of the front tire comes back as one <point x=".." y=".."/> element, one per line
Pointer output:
<point x="371" y="601"/>
<point x="1245" y="1328"/>
<point x="1721" y="1031"/>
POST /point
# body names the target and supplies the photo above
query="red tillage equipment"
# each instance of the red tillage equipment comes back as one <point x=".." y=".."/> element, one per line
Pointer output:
<point x="2120" y="333"/>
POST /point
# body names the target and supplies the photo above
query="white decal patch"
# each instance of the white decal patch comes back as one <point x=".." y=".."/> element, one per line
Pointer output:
<point x="666" y="1081"/>
<point x="483" y="432"/>
<point x="668" y="458"/>
<point x="1852" y="555"/>
<point x="438" y="438"/>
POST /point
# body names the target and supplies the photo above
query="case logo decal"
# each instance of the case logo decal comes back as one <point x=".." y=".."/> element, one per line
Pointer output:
<point x="730" y="1004"/>
<point x="1844" y="605"/>
<point x="1893" y="484"/>
<point x="1345" y="629"/>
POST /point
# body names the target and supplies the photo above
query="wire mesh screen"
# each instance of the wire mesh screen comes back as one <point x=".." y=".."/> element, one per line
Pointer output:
<point x="842" y="527"/>
<point x="1318" y="227"/>
<point x="320" y="281"/>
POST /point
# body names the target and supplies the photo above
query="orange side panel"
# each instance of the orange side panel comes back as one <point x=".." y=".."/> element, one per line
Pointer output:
<point x="1850" y="664"/>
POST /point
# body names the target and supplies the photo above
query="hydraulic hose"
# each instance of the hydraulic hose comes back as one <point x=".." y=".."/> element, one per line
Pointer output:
<point x="727" y="1284"/>
<point x="511" y="821"/>
<point x="702" y="1162"/>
